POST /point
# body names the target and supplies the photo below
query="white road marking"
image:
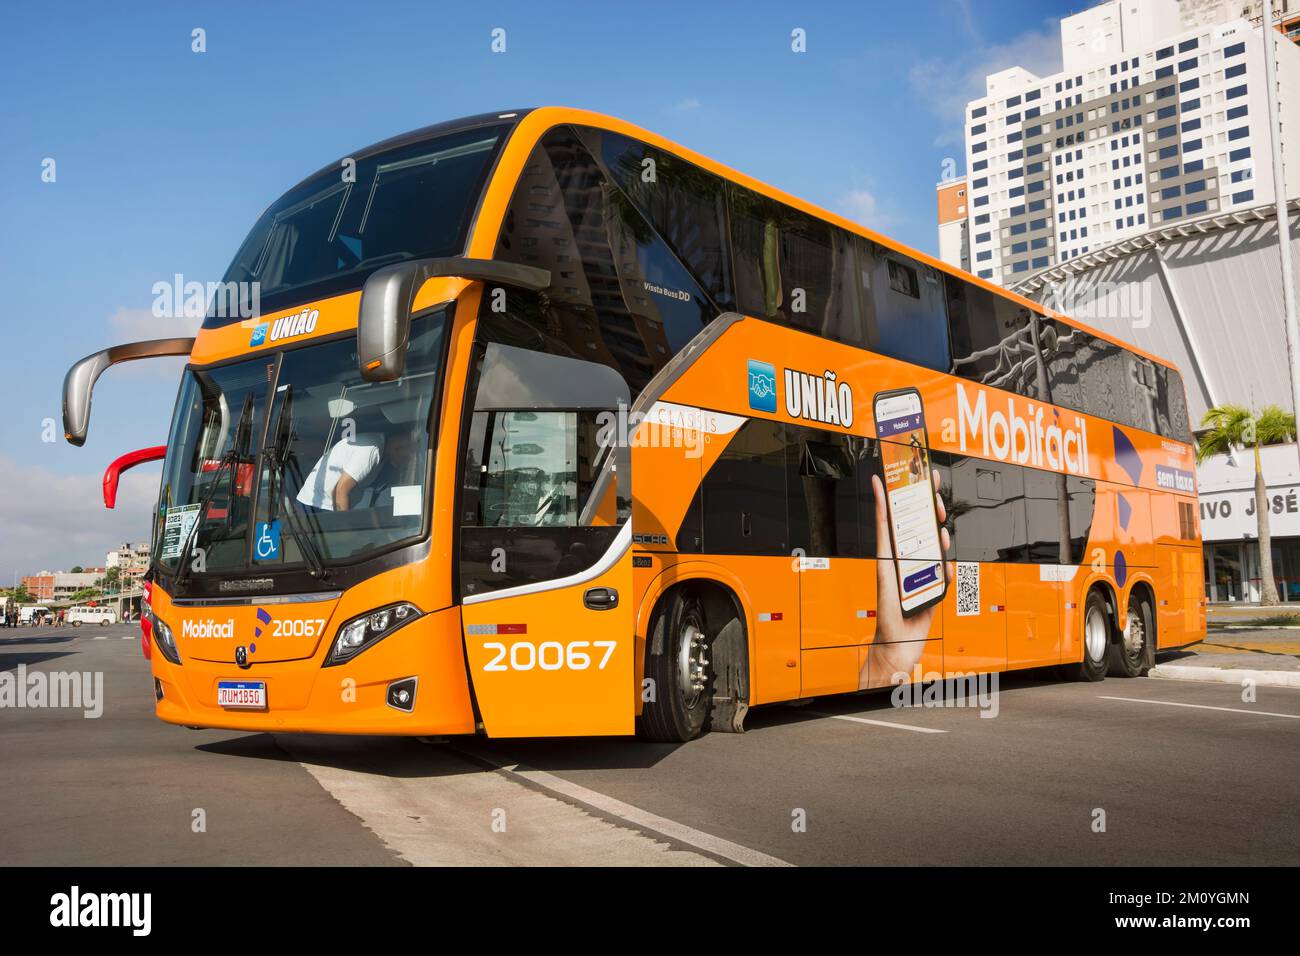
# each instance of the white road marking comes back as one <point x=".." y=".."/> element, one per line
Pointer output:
<point x="1231" y="710"/>
<point x="634" y="815"/>
<point x="878" y="723"/>
<point x="440" y="809"/>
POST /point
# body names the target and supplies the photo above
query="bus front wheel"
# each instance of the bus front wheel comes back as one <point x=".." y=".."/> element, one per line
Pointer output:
<point x="679" y="675"/>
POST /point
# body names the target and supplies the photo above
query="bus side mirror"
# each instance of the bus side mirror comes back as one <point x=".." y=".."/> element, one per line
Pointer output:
<point x="79" y="383"/>
<point x="384" y="322"/>
<point x="384" y="325"/>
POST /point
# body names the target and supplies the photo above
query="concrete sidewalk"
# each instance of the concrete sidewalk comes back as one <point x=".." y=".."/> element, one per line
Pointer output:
<point x="1269" y="656"/>
<point x="1252" y="615"/>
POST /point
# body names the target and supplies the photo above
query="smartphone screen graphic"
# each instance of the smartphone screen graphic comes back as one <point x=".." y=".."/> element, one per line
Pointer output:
<point x="909" y="494"/>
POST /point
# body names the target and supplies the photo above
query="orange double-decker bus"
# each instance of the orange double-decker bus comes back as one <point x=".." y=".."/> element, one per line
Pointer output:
<point x="545" y="425"/>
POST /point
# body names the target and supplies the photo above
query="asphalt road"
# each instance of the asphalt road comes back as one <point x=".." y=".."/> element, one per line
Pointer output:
<point x="1178" y="772"/>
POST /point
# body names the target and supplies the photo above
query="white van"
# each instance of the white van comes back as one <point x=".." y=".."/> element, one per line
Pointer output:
<point x="103" y="616"/>
<point x="27" y="614"/>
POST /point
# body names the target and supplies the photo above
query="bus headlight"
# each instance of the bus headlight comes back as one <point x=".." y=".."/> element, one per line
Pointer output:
<point x="368" y="629"/>
<point x="166" y="641"/>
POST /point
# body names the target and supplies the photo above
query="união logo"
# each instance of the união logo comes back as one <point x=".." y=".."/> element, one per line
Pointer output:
<point x="762" y="386"/>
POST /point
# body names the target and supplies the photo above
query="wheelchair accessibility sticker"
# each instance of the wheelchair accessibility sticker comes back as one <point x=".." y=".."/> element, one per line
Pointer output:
<point x="266" y="547"/>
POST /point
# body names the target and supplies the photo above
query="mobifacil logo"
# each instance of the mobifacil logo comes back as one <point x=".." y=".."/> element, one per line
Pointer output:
<point x="820" y="398"/>
<point x="1025" y="440"/>
<point x="208" y="628"/>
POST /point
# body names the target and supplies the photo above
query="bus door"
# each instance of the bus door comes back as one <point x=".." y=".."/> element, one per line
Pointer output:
<point x="830" y="488"/>
<point x="1036" y="587"/>
<point x="545" y="547"/>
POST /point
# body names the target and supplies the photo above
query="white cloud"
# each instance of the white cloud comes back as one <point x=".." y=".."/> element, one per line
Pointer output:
<point x="52" y="522"/>
<point x="134" y="325"/>
<point x="140" y="325"/>
<point x="946" y="86"/>
<point x="861" y="206"/>
<point x="687" y="105"/>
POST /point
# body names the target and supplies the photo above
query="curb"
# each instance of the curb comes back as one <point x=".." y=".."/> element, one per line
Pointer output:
<point x="1226" y="675"/>
<point x="1254" y="627"/>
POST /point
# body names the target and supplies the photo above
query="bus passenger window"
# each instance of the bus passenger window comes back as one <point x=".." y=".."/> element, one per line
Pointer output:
<point x="824" y="500"/>
<point x="907" y="304"/>
<point x="744" y="493"/>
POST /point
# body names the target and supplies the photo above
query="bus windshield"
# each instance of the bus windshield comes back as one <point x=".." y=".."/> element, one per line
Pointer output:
<point x="340" y="474"/>
<point x="412" y="202"/>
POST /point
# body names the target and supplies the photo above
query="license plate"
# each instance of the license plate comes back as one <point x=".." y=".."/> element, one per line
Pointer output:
<point x="241" y="693"/>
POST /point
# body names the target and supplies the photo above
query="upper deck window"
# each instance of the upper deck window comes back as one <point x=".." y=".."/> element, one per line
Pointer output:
<point x="326" y="235"/>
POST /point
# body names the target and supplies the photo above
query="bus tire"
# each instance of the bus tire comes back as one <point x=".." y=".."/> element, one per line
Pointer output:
<point x="1097" y="633"/>
<point x="680" y="674"/>
<point x="76" y="624"/>
<point x="1128" y="655"/>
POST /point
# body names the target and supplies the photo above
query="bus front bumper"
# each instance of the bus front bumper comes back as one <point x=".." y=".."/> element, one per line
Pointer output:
<point x="349" y="698"/>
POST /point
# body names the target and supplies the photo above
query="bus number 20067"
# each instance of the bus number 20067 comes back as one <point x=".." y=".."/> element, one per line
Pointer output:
<point x="549" y="655"/>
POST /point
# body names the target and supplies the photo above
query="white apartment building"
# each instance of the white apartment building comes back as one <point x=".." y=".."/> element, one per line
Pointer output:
<point x="1157" y="116"/>
<point x="131" y="560"/>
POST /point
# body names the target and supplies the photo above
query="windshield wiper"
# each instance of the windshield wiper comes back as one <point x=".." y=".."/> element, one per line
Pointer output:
<point x="280" y="455"/>
<point x="230" y="460"/>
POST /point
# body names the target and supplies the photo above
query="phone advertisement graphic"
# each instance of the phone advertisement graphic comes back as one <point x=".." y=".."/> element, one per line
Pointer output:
<point x="909" y="496"/>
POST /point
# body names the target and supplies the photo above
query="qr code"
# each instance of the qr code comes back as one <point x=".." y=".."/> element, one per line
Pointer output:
<point x="968" y="588"/>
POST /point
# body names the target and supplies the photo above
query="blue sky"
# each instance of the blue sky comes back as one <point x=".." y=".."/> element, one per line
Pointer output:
<point x="164" y="157"/>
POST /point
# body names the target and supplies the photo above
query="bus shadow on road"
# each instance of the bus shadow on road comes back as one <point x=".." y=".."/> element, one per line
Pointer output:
<point x="879" y="703"/>
<point x="10" y="660"/>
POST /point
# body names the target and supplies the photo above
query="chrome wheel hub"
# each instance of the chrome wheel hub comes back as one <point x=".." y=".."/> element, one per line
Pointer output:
<point x="1094" y="634"/>
<point x="691" y="663"/>
<point x="1134" y="635"/>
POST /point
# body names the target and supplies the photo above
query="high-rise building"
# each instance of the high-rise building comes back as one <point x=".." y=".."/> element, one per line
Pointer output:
<point x="1199" y="13"/>
<point x="954" y="236"/>
<point x="1152" y="121"/>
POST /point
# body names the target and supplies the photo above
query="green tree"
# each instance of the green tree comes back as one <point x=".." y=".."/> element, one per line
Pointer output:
<point x="76" y="569"/>
<point x="1235" y="426"/>
<point x="20" y="594"/>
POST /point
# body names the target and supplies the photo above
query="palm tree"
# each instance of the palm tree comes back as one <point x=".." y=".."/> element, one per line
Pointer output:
<point x="1234" y="426"/>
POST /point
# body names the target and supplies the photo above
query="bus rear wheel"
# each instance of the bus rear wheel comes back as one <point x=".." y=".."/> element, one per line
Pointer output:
<point x="1096" y="641"/>
<point x="679" y="671"/>
<point x="1128" y="655"/>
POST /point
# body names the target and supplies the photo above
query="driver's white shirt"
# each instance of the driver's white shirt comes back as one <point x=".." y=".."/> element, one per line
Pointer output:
<point x="358" y="457"/>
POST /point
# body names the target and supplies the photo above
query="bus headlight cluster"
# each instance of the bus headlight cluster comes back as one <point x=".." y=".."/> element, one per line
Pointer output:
<point x="166" y="641"/>
<point x="368" y="629"/>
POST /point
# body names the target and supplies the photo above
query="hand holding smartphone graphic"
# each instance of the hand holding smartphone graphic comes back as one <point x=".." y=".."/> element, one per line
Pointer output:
<point x="899" y="640"/>
<point x="911" y="542"/>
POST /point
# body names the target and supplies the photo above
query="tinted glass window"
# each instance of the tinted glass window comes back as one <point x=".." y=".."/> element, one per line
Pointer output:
<point x="793" y="268"/>
<point x="1100" y="378"/>
<point x="991" y="339"/>
<point x="744" y="493"/>
<point x="825" y="500"/>
<point x="987" y="510"/>
<point x="408" y="203"/>
<point x="619" y="295"/>
<point x="1047" y="510"/>
<point x="1174" y="419"/>
<point x="907" y="315"/>
<point x="685" y="204"/>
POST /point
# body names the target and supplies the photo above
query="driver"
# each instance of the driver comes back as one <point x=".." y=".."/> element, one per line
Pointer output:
<point x="351" y="465"/>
